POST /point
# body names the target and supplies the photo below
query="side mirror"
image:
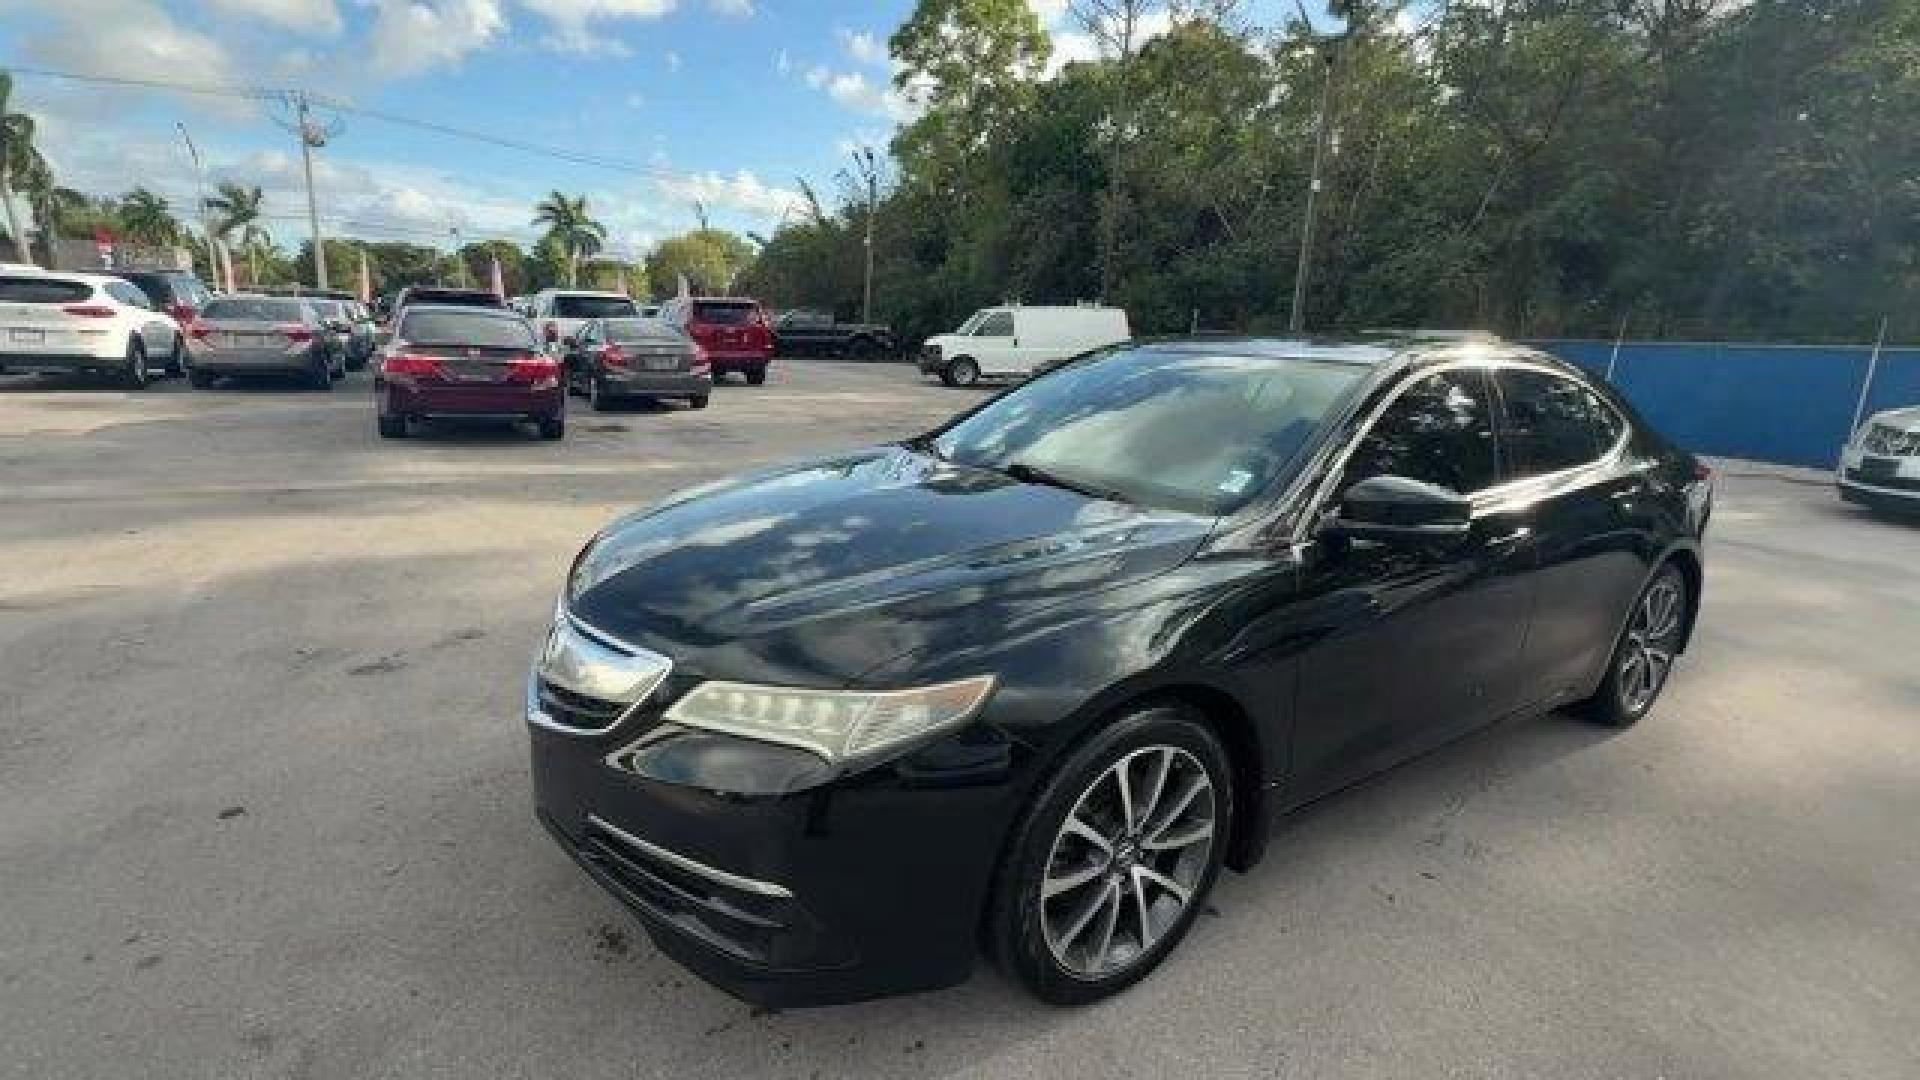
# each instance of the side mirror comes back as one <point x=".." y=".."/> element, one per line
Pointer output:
<point x="1396" y="508"/>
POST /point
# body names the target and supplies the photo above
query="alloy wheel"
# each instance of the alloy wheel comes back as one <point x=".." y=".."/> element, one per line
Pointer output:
<point x="1127" y="861"/>
<point x="1652" y="637"/>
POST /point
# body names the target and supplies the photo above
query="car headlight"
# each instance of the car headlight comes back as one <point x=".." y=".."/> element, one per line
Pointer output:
<point x="842" y="726"/>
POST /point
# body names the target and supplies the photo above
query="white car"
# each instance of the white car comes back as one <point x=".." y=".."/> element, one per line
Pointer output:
<point x="558" y="314"/>
<point x="1013" y="341"/>
<point x="85" y="322"/>
<point x="1880" y="465"/>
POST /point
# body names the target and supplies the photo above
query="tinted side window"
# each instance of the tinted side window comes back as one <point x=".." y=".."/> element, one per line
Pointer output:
<point x="1439" y="430"/>
<point x="998" y="324"/>
<point x="1553" y="423"/>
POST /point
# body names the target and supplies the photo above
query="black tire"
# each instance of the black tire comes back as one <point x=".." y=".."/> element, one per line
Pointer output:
<point x="1654" y="629"/>
<point x="320" y="375"/>
<point x="177" y="359"/>
<point x="134" y="374"/>
<point x="862" y="348"/>
<point x="598" y="397"/>
<point x="698" y="401"/>
<point x="1019" y="938"/>
<point x="946" y="376"/>
<point x="963" y="372"/>
<point x="553" y="427"/>
<point x="393" y="427"/>
<point x="199" y="380"/>
<point x="757" y="376"/>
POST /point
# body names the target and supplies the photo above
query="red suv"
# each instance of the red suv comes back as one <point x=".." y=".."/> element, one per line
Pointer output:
<point x="467" y="361"/>
<point x="734" y="332"/>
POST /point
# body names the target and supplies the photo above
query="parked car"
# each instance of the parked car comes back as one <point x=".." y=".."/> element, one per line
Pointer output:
<point x="1013" y="341"/>
<point x="350" y="330"/>
<point x="248" y="334"/>
<point x="815" y="333"/>
<point x="1034" y="677"/>
<point x="616" y="360"/>
<point x="179" y="293"/>
<point x="452" y="361"/>
<point x="1880" y="465"/>
<point x="559" y="314"/>
<point x="732" y="330"/>
<point x="89" y="323"/>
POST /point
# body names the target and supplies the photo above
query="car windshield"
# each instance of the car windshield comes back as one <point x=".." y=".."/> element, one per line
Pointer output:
<point x="478" y="329"/>
<point x="723" y="314"/>
<point x="1177" y="430"/>
<point x="640" y="330"/>
<point x="973" y="320"/>
<point x="255" y="309"/>
<point x="593" y="307"/>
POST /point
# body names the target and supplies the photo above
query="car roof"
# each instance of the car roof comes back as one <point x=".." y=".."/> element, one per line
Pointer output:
<point x="608" y="293"/>
<point x="1351" y="352"/>
<point x="469" y="309"/>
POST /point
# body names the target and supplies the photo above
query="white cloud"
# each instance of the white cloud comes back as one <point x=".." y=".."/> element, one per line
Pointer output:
<point x="1075" y="43"/>
<point x="673" y="60"/>
<point x="783" y="63"/>
<point x="864" y="47"/>
<point x="855" y="91"/>
<point x="739" y="9"/>
<point x="303" y="16"/>
<point x="413" y="36"/>
<point x="572" y="22"/>
<point x="128" y="39"/>
<point x="742" y="191"/>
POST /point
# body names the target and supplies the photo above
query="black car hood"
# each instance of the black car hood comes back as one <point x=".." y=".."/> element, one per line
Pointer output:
<point x="815" y="573"/>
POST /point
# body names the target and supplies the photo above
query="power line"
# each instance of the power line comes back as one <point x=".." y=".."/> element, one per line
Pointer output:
<point x="267" y="93"/>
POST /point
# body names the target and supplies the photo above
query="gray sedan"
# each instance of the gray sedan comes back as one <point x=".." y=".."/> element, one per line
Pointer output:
<point x="244" y="334"/>
<point x="614" y="360"/>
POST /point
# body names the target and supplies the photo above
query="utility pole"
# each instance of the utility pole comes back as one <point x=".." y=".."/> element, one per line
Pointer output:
<point x="312" y="134"/>
<point x="459" y="259"/>
<point x="200" y="200"/>
<point x="863" y="161"/>
<point x="1330" y="54"/>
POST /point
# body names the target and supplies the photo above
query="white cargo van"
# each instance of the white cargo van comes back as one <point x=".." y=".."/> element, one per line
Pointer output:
<point x="1001" y="341"/>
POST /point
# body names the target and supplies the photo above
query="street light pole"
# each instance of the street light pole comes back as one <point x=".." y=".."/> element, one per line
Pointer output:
<point x="459" y="260"/>
<point x="872" y="173"/>
<point x="200" y="201"/>
<point x="1297" y="318"/>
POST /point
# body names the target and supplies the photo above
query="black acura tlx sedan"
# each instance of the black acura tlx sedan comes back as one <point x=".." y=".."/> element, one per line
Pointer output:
<point x="1024" y="684"/>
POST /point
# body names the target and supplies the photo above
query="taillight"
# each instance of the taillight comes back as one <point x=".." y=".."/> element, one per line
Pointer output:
<point x="534" y="369"/>
<point x="701" y="365"/>
<point x="182" y="313"/>
<point x="409" y="365"/>
<point x="297" y="332"/>
<point x="196" y="329"/>
<point x="613" y="357"/>
<point x="89" y="311"/>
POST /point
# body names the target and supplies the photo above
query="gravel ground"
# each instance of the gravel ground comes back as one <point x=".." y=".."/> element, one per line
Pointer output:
<point x="264" y="807"/>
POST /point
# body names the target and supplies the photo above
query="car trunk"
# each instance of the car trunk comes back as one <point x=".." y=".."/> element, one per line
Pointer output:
<point x="253" y="342"/>
<point x="50" y="316"/>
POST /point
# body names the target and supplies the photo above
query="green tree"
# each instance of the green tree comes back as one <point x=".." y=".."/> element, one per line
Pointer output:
<point x="147" y="218"/>
<point x="572" y="229"/>
<point x="18" y="157"/>
<point x="710" y="260"/>
<point x="236" y="211"/>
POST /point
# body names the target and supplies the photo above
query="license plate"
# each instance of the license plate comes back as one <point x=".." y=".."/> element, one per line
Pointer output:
<point x="1879" y="467"/>
<point x="659" y="363"/>
<point x="27" y="337"/>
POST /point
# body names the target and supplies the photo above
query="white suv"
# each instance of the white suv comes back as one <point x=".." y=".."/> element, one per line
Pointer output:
<point x="1880" y="465"/>
<point x="85" y="322"/>
<point x="558" y="314"/>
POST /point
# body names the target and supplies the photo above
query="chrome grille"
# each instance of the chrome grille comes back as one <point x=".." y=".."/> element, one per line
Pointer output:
<point x="1890" y="441"/>
<point x="585" y="682"/>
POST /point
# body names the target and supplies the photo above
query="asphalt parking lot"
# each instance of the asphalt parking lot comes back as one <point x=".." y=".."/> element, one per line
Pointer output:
<point x="264" y="807"/>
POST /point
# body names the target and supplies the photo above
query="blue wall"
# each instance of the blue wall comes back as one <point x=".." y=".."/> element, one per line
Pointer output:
<point x="1790" y="404"/>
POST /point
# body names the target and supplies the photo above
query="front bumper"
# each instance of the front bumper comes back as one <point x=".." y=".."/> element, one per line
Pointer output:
<point x="931" y="361"/>
<point x="1879" y="480"/>
<point x="853" y="888"/>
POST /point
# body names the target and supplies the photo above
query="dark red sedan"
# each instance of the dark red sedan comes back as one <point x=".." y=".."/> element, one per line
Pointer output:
<point x="467" y="362"/>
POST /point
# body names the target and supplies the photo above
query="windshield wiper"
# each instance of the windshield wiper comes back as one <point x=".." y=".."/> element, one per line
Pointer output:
<point x="1033" y="474"/>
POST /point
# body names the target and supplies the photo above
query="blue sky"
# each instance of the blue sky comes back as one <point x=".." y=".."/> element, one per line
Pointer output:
<point x="725" y="101"/>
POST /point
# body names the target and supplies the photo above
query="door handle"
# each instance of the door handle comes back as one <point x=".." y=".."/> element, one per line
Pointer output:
<point x="1510" y="539"/>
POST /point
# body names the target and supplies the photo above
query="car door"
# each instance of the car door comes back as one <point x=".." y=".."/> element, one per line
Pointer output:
<point x="1594" y="514"/>
<point x="992" y="344"/>
<point x="578" y="360"/>
<point x="1417" y="640"/>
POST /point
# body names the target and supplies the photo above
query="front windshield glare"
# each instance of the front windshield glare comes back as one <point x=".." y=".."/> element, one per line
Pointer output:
<point x="1182" y="431"/>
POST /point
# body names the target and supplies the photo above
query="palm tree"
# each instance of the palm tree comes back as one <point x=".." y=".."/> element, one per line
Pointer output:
<point x="17" y="158"/>
<point x="572" y="228"/>
<point x="236" y="210"/>
<point x="147" y="218"/>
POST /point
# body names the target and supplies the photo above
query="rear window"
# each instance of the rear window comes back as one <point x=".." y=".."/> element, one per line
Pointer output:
<point x="254" y="309"/>
<point x="467" y="328"/>
<point x="329" y="309"/>
<point x="641" y="330"/>
<point x="593" y="307"/>
<point x="39" y="290"/>
<point x="741" y="314"/>
<point x="156" y="286"/>
<point x="457" y="297"/>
